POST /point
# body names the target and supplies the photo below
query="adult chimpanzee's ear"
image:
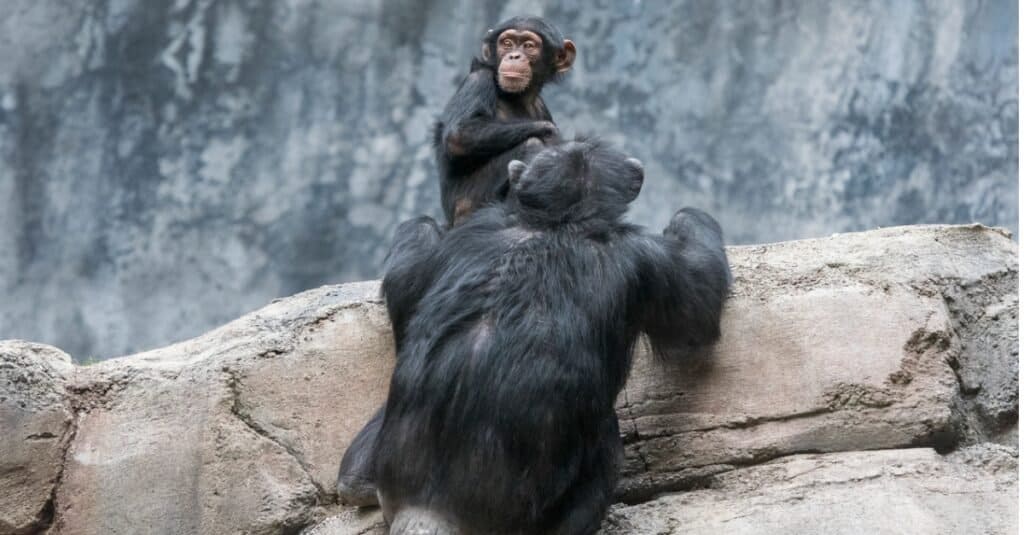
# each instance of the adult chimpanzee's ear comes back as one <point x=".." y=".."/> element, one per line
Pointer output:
<point x="565" y="57"/>
<point x="515" y="170"/>
<point x="637" y="178"/>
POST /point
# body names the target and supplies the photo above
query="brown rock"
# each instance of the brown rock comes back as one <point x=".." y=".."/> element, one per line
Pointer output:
<point x="167" y="452"/>
<point x="832" y="369"/>
<point x="35" y="426"/>
<point x="314" y="398"/>
<point x="886" y="492"/>
<point x="836" y="344"/>
<point x="237" y="431"/>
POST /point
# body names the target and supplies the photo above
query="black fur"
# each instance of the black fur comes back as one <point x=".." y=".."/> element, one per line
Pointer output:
<point x="514" y="333"/>
<point x="483" y="128"/>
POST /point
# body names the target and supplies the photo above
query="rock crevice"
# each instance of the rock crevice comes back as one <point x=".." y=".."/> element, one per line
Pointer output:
<point x="240" y="412"/>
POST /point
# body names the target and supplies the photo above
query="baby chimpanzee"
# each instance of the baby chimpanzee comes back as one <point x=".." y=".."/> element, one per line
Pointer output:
<point x="497" y="115"/>
<point x="515" y="333"/>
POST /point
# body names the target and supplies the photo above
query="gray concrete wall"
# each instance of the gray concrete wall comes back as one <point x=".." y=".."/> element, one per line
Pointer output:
<point x="168" y="165"/>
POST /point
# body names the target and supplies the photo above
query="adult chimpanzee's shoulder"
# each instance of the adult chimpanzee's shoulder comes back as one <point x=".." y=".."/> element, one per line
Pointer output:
<point x="629" y="233"/>
<point x="626" y="243"/>
<point x="637" y="247"/>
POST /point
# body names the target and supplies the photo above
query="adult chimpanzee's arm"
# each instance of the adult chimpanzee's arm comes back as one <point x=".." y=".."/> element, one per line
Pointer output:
<point x="407" y="273"/>
<point x="357" y="484"/>
<point x="408" y="269"/>
<point x="684" y="280"/>
<point x="471" y="129"/>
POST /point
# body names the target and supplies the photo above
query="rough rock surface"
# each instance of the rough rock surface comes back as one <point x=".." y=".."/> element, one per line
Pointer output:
<point x="832" y="345"/>
<point x="35" y="427"/>
<point x="234" y="432"/>
<point x="901" y="341"/>
<point x="166" y="166"/>
<point x="888" y="492"/>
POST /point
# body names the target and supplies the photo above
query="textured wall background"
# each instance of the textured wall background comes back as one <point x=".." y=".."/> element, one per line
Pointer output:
<point x="166" y="166"/>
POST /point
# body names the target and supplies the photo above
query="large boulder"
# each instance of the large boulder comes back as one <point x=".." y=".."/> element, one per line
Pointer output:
<point x="847" y="343"/>
<point x="901" y="340"/>
<point x="237" y="431"/>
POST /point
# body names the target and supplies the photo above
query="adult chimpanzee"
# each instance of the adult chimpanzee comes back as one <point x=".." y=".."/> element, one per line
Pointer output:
<point x="514" y="333"/>
<point x="497" y="114"/>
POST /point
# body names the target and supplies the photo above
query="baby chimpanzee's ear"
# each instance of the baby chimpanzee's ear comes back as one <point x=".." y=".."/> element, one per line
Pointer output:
<point x="515" y="171"/>
<point x="637" y="178"/>
<point x="485" y="51"/>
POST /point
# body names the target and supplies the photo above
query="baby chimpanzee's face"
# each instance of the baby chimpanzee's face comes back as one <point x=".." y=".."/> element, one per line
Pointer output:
<point x="574" y="181"/>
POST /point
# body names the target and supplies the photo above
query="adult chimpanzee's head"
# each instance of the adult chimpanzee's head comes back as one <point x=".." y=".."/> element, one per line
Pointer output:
<point x="575" y="181"/>
<point x="526" y="52"/>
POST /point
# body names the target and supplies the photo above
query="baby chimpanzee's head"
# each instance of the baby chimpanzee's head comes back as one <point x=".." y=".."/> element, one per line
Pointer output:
<point x="575" y="181"/>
